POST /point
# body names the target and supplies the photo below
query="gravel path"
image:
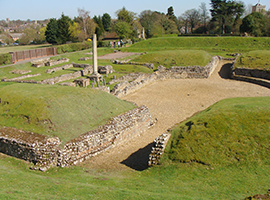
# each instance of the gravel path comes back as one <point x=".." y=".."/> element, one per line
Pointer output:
<point x="171" y="102"/>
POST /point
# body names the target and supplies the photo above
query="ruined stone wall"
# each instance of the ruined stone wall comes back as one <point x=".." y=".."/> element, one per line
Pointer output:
<point x="56" y="62"/>
<point x="55" y="69"/>
<point x="158" y="149"/>
<point x="29" y="146"/>
<point x="125" y="88"/>
<point x="120" y="129"/>
<point x="256" y="73"/>
<point x="46" y="152"/>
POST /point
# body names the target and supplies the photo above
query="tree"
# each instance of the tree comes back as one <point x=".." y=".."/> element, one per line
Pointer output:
<point x="191" y="17"/>
<point x="124" y="24"/>
<point x="51" y="32"/>
<point x="75" y="31"/>
<point x="83" y="21"/>
<point x="253" y="24"/>
<point x="225" y="11"/>
<point x="123" y="29"/>
<point x="125" y="15"/>
<point x="106" y="21"/>
<point x="30" y="34"/>
<point x="170" y="14"/>
<point x="63" y="29"/>
<point x="204" y="14"/>
<point x="99" y="26"/>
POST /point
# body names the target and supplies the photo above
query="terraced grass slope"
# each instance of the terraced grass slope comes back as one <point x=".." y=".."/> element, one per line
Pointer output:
<point x="230" y="132"/>
<point x="259" y="59"/>
<point x="206" y="43"/>
<point x="176" y="58"/>
<point x="60" y="111"/>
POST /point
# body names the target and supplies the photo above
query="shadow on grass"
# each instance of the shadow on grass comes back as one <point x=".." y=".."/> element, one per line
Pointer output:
<point x="225" y="71"/>
<point x="139" y="159"/>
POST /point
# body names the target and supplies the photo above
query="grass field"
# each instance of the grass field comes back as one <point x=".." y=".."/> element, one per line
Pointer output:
<point x="229" y="179"/>
<point x="221" y="153"/>
<point x="176" y="58"/>
<point x="66" y="112"/>
<point x="259" y="59"/>
<point x="21" y="48"/>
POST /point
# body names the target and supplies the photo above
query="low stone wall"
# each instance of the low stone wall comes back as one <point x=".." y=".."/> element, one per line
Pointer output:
<point x="128" y="77"/>
<point x="18" y="71"/>
<point x="256" y="73"/>
<point x="120" y="129"/>
<point x="108" y="69"/>
<point x="46" y="152"/>
<point x="56" y="62"/>
<point x="19" y="79"/>
<point x="29" y="146"/>
<point x="127" y="62"/>
<point x="65" y="77"/>
<point x="55" y="69"/>
<point x="159" y="147"/>
<point x="125" y="88"/>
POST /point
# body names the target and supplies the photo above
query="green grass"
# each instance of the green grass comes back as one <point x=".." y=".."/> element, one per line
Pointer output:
<point x="210" y="43"/>
<point x="224" y="178"/>
<point x="259" y="59"/>
<point x="66" y="112"/>
<point x="22" y="47"/>
<point x="176" y="58"/>
<point x="230" y="132"/>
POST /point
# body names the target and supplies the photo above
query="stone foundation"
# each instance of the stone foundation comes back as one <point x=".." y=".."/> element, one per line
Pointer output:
<point x="46" y="152"/>
<point x="141" y="80"/>
<point x="159" y="147"/>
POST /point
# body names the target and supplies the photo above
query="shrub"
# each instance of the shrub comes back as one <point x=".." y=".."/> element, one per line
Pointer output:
<point x="5" y="58"/>
<point x="73" y="47"/>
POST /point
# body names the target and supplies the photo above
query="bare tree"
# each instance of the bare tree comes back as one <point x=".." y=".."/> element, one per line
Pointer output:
<point x="204" y="14"/>
<point x="84" y="21"/>
<point x="191" y="17"/>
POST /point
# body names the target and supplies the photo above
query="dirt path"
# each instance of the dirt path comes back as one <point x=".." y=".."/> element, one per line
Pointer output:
<point x="171" y="102"/>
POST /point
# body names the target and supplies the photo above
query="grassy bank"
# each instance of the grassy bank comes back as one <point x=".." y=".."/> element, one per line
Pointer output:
<point x="259" y="59"/>
<point x="237" y="43"/>
<point x="176" y="58"/>
<point x="230" y="132"/>
<point x="66" y="112"/>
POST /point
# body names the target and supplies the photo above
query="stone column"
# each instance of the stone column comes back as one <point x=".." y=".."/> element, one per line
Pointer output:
<point x="95" y="64"/>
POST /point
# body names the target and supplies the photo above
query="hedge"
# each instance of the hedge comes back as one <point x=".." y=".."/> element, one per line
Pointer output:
<point x="73" y="47"/>
<point x="5" y="59"/>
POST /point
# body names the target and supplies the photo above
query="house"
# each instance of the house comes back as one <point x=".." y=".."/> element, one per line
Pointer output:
<point x="258" y="8"/>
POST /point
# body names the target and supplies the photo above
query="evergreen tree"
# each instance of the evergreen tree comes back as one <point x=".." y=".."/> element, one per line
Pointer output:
<point x="225" y="11"/>
<point x="106" y="21"/>
<point x="99" y="28"/>
<point x="170" y="14"/>
<point x="51" y="32"/>
<point x="63" y="29"/>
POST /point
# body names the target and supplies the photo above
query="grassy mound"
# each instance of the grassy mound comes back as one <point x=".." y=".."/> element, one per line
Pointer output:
<point x="259" y="59"/>
<point x="60" y="111"/>
<point x="231" y="131"/>
<point x="176" y="58"/>
<point x="238" y="43"/>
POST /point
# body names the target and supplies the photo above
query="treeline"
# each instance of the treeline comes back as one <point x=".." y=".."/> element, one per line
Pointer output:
<point x="223" y="17"/>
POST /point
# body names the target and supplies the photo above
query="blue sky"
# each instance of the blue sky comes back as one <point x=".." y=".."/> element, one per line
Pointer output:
<point x="38" y="10"/>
